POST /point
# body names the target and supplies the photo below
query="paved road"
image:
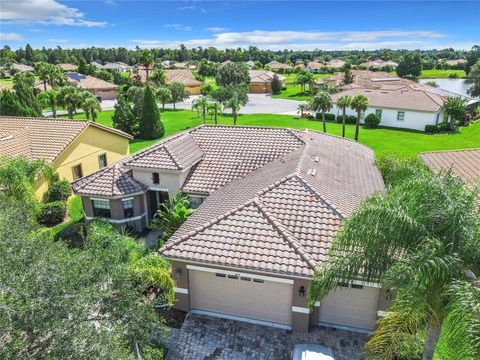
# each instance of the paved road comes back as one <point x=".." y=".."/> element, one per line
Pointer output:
<point x="257" y="104"/>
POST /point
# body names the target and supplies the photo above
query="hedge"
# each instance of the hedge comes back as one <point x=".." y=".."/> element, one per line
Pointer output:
<point x="435" y="129"/>
<point x="58" y="191"/>
<point x="328" y="116"/>
<point x="349" y="119"/>
<point x="372" y="121"/>
<point x="52" y="213"/>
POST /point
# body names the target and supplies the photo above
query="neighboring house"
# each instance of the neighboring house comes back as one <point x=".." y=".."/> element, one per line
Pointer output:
<point x="22" y="67"/>
<point x="250" y="64"/>
<point x="68" y="67"/>
<point x="269" y="202"/>
<point x="185" y="77"/>
<point x="117" y="66"/>
<point x="261" y="81"/>
<point x="96" y="65"/>
<point x="336" y="63"/>
<point x="101" y="89"/>
<point x="315" y="67"/>
<point x="275" y="65"/>
<point x="76" y="148"/>
<point x="366" y="79"/>
<point x="408" y="107"/>
<point x="379" y="63"/>
<point x="184" y="65"/>
<point x="167" y="63"/>
<point x="463" y="163"/>
<point x="455" y="62"/>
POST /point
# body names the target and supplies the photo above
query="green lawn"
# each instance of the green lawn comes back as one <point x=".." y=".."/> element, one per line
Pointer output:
<point x="382" y="140"/>
<point x="210" y="80"/>
<point x="293" y="91"/>
<point x="6" y="82"/>
<point x="438" y="73"/>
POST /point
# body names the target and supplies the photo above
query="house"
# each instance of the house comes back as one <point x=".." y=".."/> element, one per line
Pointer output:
<point x="117" y="66"/>
<point x="101" y="89"/>
<point x="22" y="67"/>
<point x="463" y="163"/>
<point x="184" y="65"/>
<point x="366" y="79"/>
<point x="315" y="67"/>
<point x="261" y="81"/>
<point x="408" y="107"/>
<point x="185" y="77"/>
<point x="269" y="201"/>
<point x="76" y="148"/>
<point x="275" y="65"/>
<point x="68" y="67"/>
<point x="96" y="65"/>
<point x="167" y="63"/>
<point x="455" y="62"/>
<point x="336" y="63"/>
<point x="377" y="63"/>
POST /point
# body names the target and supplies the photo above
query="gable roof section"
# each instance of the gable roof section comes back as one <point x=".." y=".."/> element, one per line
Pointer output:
<point x="182" y="76"/>
<point x="42" y="138"/>
<point x="263" y="76"/>
<point x="464" y="163"/>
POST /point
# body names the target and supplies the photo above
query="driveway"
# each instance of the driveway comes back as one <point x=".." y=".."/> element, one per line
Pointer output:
<point x="208" y="338"/>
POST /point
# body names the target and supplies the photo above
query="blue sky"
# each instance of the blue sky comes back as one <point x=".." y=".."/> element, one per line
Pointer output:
<point x="228" y="24"/>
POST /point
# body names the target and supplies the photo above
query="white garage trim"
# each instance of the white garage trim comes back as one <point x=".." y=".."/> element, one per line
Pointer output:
<point x="341" y="327"/>
<point x="181" y="290"/>
<point x="227" y="272"/>
<point x="243" y="319"/>
<point x="301" y="310"/>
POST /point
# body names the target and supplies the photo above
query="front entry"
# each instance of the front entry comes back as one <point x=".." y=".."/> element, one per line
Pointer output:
<point x="155" y="199"/>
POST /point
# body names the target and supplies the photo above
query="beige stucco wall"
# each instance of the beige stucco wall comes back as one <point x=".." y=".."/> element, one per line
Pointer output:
<point x="171" y="182"/>
<point x="105" y="94"/>
<point x="193" y="90"/>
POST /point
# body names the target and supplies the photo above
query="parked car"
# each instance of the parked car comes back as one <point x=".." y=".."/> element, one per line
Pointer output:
<point x="311" y="352"/>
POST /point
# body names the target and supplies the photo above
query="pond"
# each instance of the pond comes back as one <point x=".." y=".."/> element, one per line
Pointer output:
<point x="454" y="85"/>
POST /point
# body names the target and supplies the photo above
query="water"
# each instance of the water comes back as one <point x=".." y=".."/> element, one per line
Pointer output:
<point x="454" y="85"/>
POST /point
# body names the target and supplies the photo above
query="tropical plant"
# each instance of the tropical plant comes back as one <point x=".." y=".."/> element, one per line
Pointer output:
<point x="202" y="104"/>
<point x="321" y="102"/>
<point x="146" y="60"/>
<point x="179" y="93"/>
<point x="235" y="104"/>
<point x="421" y="240"/>
<point x="172" y="214"/>
<point x="43" y="71"/>
<point x="344" y="102"/>
<point x="359" y="104"/>
<point x="164" y="95"/>
<point x="70" y="99"/>
<point x="158" y="77"/>
<point x="49" y="98"/>
<point x="301" y="108"/>
<point x="304" y="77"/>
<point x="214" y="108"/>
<point x="454" y="107"/>
<point x="91" y="106"/>
<point x="473" y="80"/>
<point x="150" y="125"/>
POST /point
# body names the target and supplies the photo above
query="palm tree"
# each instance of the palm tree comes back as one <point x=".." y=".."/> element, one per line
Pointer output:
<point x="146" y="59"/>
<point x="214" y="108"/>
<point x="343" y="102"/>
<point x="43" y="72"/>
<point x="321" y="102"/>
<point x="421" y="240"/>
<point x="234" y="104"/>
<point x="301" y="108"/>
<point x="50" y="98"/>
<point x="201" y="104"/>
<point x="454" y="107"/>
<point x="164" y="95"/>
<point x="359" y="104"/>
<point x="56" y="76"/>
<point x="91" y="106"/>
<point x="158" y="77"/>
<point x="70" y="98"/>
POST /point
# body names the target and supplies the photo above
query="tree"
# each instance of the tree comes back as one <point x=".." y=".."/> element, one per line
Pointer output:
<point x="23" y="84"/>
<point x="202" y="104"/>
<point x="172" y="214"/>
<point x="473" y="80"/>
<point x="454" y="107"/>
<point x="233" y="74"/>
<point x="91" y="106"/>
<point x="235" y="104"/>
<point x="50" y="98"/>
<point x="164" y="95"/>
<point x="214" y="108"/>
<point x="66" y="303"/>
<point x="150" y="125"/>
<point x="43" y="72"/>
<point x="321" y="102"/>
<point x="304" y="77"/>
<point x="70" y="98"/>
<point x="158" y="77"/>
<point x="301" y="108"/>
<point x="472" y="58"/>
<point x="410" y="66"/>
<point x="178" y="92"/>
<point x="344" y="102"/>
<point x="226" y="92"/>
<point x="347" y="73"/>
<point x="359" y="104"/>
<point x="124" y="118"/>
<point x="276" y="85"/>
<point x="146" y="60"/>
<point x="420" y="239"/>
<point x="10" y="105"/>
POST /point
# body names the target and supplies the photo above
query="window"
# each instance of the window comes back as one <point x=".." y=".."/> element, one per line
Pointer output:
<point x="245" y="278"/>
<point x="362" y="115"/>
<point x="77" y="171"/>
<point x="220" y="275"/>
<point x="156" y="178"/>
<point x="356" y="286"/>
<point x="258" y="281"/>
<point x="400" y="115"/>
<point x="195" y="201"/>
<point x="101" y="208"/>
<point x="378" y="112"/>
<point x="127" y="207"/>
<point x="235" y="277"/>
<point x="102" y="160"/>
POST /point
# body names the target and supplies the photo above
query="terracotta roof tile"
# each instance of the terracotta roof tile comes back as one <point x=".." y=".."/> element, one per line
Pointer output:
<point x="464" y="163"/>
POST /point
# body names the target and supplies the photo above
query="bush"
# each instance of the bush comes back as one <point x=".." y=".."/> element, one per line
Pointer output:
<point x="372" y="121"/>
<point x="276" y="85"/>
<point x="52" y="213"/>
<point x="396" y="168"/>
<point x="435" y="129"/>
<point x="453" y="76"/>
<point x="58" y="191"/>
<point x="309" y="116"/>
<point x="349" y="119"/>
<point x="328" y="116"/>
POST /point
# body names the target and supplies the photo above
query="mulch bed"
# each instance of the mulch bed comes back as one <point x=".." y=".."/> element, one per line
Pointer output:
<point x="173" y="317"/>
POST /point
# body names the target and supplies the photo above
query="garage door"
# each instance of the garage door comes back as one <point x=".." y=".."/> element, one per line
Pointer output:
<point x="353" y="307"/>
<point x="242" y="296"/>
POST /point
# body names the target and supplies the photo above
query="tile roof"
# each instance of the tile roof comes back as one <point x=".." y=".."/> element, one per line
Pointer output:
<point x="464" y="163"/>
<point x="278" y="65"/>
<point x="263" y="76"/>
<point x="182" y="76"/>
<point x="41" y="138"/>
<point x="314" y="65"/>
<point x="68" y="67"/>
<point x="22" y="67"/>
<point x="86" y="82"/>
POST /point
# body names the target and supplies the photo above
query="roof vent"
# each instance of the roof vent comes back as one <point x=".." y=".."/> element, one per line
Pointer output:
<point x="5" y="138"/>
<point x="312" y="172"/>
<point x="316" y="159"/>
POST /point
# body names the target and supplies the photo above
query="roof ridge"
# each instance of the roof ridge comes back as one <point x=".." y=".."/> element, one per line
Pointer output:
<point x="171" y="157"/>
<point x="286" y="234"/>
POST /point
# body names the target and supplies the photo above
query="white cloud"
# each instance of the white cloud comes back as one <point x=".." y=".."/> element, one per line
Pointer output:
<point x="178" y="27"/>
<point x="10" y="36"/>
<point x="192" y="8"/>
<point x="37" y="30"/>
<point x="215" y="29"/>
<point x="111" y="2"/>
<point x="45" y="12"/>
<point x="55" y="40"/>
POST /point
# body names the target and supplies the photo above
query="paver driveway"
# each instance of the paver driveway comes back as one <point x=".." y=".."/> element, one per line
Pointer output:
<point x="208" y="338"/>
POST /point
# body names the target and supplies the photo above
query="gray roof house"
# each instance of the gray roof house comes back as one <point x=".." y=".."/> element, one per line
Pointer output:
<point x="268" y="203"/>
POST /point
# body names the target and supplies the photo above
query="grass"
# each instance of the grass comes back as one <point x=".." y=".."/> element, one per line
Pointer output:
<point x="210" y="80"/>
<point x="293" y="91"/>
<point x="381" y="140"/>
<point x="75" y="214"/>
<point x="439" y="74"/>
<point x="8" y="83"/>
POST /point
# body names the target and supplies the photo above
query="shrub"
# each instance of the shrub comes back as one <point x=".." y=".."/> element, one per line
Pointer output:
<point x="58" y="191"/>
<point x="309" y="116"/>
<point x="52" y="213"/>
<point x="435" y="129"/>
<point x="328" y="116"/>
<point x="372" y="121"/>
<point x="453" y="76"/>
<point x="349" y="119"/>
<point x="276" y="84"/>
<point x="396" y="168"/>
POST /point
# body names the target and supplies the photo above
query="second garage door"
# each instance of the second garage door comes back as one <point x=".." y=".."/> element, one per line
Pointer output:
<point x="243" y="296"/>
<point x="353" y="307"/>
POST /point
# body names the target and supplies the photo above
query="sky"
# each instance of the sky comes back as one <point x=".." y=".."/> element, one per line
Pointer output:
<point x="275" y="25"/>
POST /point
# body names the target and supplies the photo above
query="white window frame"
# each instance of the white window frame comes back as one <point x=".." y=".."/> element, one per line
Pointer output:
<point x="403" y="115"/>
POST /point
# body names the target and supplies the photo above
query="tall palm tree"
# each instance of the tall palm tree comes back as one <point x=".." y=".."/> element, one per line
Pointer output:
<point x="164" y="95"/>
<point x="158" y="77"/>
<point x="43" y="72"/>
<point x="234" y="104"/>
<point x="202" y="104"/>
<point x="359" y="104"/>
<point x="343" y="102"/>
<point x="91" y="106"/>
<point x="421" y="240"/>
<point x="56" y="76"/>
<point x="321" y="102"/>
<point x="301" y="108"/>
<point x="454" y="107"/>
<point x="214" y="109"/>
<point x="70" y="98"/>
<point x="146" y="59"/>
<point x="50" y="98"/>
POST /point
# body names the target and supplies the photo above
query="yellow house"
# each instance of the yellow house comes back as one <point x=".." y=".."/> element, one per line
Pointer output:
<point x="76" y="148"/>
